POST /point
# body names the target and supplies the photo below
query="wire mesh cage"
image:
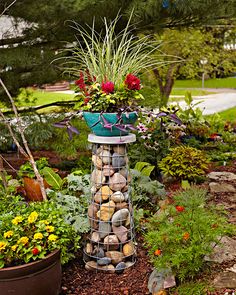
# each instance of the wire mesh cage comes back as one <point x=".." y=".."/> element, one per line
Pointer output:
<point x="110" y="245"/>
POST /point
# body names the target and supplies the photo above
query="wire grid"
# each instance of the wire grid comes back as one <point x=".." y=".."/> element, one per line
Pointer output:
<point x="110" y="179"/>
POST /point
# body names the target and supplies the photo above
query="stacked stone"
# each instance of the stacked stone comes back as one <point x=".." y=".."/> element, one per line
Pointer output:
<point x="110" y="246"/>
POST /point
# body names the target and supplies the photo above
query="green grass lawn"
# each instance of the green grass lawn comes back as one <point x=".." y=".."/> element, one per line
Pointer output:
<point x="194" y="92"/>
<point x="44" y="97"/>
<point x="211" y="83"/>
<point x="229" y="115"/>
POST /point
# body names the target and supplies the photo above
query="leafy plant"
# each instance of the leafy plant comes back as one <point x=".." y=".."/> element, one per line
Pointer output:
<point x="73" y="199"/>
<point x="145" y="190"/>
<point x="52" y="178"/>
<point x="31" y="231"/>
<point x="27" y="170"/>
<point x="181" y="234"/>
<point x="144" y="168"/>
<point x="184" y="162"/>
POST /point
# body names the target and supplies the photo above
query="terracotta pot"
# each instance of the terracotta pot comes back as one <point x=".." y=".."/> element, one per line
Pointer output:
<point x="42" y="277"/>
<point x="32" y="189"/>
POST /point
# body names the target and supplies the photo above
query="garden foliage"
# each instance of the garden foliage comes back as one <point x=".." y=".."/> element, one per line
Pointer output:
<point x="184" y="163"/>
<point x="182" y="234"/>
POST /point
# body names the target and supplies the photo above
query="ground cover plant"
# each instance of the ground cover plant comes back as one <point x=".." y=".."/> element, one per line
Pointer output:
<point x="180" y="235"/>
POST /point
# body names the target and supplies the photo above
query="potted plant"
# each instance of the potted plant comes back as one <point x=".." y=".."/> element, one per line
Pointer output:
<point x="34" y="240"/>
<point x="106" y="65"/>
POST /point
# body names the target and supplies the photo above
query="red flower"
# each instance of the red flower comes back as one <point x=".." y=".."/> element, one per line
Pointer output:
<point x="86" y="100"/>
<point x="186" y="236"/>
<point x="179" y="208"/>
<point x="108" y="87"/>
<point x="157" y="252"/>
<point x="80" y="82"/>
<point x="132" y="82"/>
<point x="35" y="251"/>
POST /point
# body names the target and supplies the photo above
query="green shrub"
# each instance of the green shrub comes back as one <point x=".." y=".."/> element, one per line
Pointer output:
<point x="184" y="162"/>
<point x="180" y="235"/>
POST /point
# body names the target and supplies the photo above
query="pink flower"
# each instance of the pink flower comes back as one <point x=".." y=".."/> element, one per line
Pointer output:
<point x="141" y="128"/>
<point x="108" y="87"/>
<point x="132" y="82"/>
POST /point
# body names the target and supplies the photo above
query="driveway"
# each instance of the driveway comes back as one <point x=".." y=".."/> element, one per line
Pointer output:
<point x="214" y="103"/>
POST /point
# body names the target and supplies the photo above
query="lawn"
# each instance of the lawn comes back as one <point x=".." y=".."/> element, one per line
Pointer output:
<point x="211" y="83"/>
<point x="229" y="115"/>
<point x="44" y="97"/>
<point x="194" y="92"/>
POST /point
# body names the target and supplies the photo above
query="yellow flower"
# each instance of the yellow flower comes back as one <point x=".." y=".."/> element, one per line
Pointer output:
<point x="14" y="247"/>
<point x="50" y="228"/>
<point x="52" y="238"/>
<point x="38" y="236"/>
<point x="23" y="240"/>
<point x="32" y="217"/>
<point x="17" y="219"/>
<point x="2" y="245"/>
<point x="44" y="221"/>
<point x="8" y="234"/>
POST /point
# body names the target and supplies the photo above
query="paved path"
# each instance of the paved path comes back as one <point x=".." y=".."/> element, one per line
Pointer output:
<point x="214" y="103"/>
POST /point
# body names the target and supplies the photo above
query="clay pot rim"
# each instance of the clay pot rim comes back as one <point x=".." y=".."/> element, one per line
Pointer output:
<point x="31" y="267"/>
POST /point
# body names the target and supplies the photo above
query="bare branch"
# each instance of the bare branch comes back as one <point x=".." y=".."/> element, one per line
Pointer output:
<point x="27" y="151"/>
<point x="7" y="7"/>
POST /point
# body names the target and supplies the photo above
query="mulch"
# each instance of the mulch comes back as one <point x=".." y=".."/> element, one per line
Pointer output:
<point x="77" y="280"/>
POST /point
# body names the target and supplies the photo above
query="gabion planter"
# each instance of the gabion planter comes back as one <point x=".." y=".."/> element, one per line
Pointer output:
<point x="110" y="246"/>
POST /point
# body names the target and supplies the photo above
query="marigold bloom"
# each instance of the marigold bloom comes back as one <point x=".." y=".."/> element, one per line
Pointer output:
<point x="179" y="208"/>
<point x="38" y="236"/>
<point x="157" y="252"/>
<point x="44" y="221"/>
<point x="52" y="238"/>
<point x="8" y="234"/>
<point x="35" y="251"/>
<point x="132" y="82"/>
<point x="50" y="228"/>
<point x="2" y="245"/>
<point x="108" y="87"/>
<point x="14" y="247"/>
<point x="186" y="236"/>
<point x="33" y="217"/>
<point x="23" y="241"/>
<point x="17" y="219"/>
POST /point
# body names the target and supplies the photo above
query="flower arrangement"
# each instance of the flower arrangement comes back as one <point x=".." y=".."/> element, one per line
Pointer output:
<point x="107" y="96"/>
<point x="34" y="231"/>
<point x="107" y="64"/>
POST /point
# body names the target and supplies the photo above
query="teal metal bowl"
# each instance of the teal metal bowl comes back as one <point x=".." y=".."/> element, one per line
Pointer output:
<point x="99" y="130"/>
